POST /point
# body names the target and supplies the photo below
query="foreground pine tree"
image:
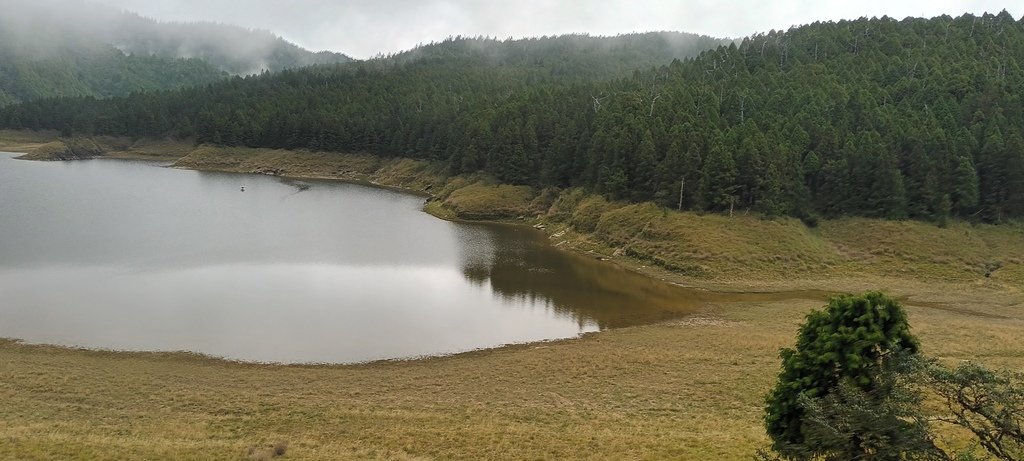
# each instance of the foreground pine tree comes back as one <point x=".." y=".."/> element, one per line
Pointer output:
<point x="840" y="350"/>
<point x="853" y="390"/>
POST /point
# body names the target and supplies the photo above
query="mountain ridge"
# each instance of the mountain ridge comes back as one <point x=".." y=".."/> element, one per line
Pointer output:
<point x="51" y="49"/>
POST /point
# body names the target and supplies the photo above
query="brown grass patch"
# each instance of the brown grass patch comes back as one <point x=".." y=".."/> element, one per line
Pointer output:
<point x="482" y="201"/>
<point x="689" y="390"/>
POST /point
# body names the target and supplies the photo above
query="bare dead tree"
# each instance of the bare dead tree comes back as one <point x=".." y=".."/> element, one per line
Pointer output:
<point x="743" y="106"/>
<point x="653" y="100"/>
<point x="682" y="182"/>
<point x="456" y="99"/>
<point x="911" y="73"/>
<point x="597" y="101"/>
<point x="655" y="93"/>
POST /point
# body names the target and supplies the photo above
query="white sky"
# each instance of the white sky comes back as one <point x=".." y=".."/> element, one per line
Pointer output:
<point x="362" y="28"/>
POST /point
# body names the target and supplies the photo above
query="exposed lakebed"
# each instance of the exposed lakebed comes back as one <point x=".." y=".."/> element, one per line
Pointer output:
<point x="131" y="256"/>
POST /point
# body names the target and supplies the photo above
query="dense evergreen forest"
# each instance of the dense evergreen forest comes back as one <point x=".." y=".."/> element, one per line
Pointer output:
<point x="50" y="49"/>
<point x="919" y="118"/>
<point x="105" y="73"/>
<point x="87" y="68"/>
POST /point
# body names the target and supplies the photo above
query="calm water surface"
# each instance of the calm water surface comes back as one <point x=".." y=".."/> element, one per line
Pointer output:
<point x="132" y="256"/>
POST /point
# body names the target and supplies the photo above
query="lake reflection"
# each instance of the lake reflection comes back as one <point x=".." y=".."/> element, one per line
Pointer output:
<point x="521" y="266"/>
<point x="128" y="255"/>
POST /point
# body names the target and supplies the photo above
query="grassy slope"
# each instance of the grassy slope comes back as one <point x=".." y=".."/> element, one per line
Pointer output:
<point x="746" y="250"/>
<point x="687" y="390"/>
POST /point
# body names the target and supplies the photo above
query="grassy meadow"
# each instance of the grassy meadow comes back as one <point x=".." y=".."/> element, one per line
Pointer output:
<point x="687" y="389"/>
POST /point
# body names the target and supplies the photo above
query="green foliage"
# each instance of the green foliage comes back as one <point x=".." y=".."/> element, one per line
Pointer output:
<point x="719" y="178"/>
<point x="965" y="186"/>
<point x="890" y="422"/>
<point x="883" y="423"/>
<point x="853" y="390"/>
<point x="846" y="344"/>
<point x="989" y="404"/>
<point x="872" y="117"/>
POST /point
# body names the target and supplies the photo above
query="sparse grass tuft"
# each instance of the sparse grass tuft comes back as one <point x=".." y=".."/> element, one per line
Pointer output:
<point x="266" y="452"/>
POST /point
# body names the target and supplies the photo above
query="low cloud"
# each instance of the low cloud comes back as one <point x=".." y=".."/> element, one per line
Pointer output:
<point x="363" y="29"/>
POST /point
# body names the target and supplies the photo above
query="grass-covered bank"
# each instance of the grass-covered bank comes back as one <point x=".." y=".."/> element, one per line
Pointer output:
<point x="691" y="389"/>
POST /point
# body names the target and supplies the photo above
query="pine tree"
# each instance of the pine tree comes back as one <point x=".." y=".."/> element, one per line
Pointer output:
<point x="847" y="342"/>
<point x="643" y="170"/>
<point x="719" y="178"/>
<point x="991" y="175"/>
<point x="965" y="187"/>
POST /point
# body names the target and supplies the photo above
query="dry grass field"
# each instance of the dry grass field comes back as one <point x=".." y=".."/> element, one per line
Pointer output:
<point x="688" y="389"/>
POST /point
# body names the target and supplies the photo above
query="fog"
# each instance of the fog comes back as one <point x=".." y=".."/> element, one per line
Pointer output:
<point x="363" y="29"/>
<point x="48" y="28"/>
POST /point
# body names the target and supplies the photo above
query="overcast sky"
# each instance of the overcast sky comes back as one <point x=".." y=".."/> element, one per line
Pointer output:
<point x="363" y="28"/>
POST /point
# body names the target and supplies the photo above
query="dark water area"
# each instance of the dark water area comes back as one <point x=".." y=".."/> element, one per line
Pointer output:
<point x="132" y="256"/>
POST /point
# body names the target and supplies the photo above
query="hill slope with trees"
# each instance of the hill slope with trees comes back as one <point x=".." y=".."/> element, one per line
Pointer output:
<point x="50" y="49"/>
<point x="918" y="118"/>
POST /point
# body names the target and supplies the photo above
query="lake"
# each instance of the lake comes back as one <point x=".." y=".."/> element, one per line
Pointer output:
<point x="128" y="255"/>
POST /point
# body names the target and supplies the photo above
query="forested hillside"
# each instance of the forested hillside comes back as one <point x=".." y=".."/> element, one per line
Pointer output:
<point x="917" y="118"/>
<point x="89" y="68"/>
<point x="457" y="76"/>
<point x="50" y="49"/>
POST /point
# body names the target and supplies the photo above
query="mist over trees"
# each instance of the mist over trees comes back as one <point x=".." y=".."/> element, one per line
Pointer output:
<point x="54" y="48"/>
<point x="919" y="118"/>
<point x="563" y="58"/>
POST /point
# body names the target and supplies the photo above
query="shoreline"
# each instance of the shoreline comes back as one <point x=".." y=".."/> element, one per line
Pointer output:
<point x="476" y="199"/>
<point x="752" y="291"/>
<point x="690" y="388"/>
